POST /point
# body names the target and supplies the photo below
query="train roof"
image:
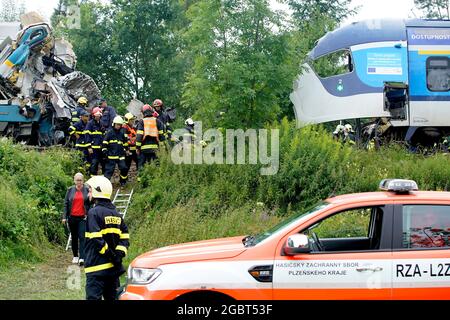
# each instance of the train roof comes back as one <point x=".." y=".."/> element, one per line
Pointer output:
<point x="366" y="31"/>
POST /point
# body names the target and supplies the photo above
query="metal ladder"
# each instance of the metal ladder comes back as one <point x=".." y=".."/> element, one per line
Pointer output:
<point x="121" y="201"/>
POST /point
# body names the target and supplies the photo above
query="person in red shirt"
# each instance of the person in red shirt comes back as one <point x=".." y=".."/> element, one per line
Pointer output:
<point x="76" y="207"/>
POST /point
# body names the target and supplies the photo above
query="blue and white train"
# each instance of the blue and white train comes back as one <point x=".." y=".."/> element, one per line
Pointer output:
<point x="393" y="69"/>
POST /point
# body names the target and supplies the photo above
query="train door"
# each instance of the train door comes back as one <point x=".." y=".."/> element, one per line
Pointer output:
<point x="383" y="66"/>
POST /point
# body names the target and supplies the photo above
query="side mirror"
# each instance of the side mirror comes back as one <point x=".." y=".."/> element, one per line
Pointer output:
<point x="296" y="244"/>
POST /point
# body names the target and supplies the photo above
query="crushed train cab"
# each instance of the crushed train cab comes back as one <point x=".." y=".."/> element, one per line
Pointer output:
<point x="394" y="69"/>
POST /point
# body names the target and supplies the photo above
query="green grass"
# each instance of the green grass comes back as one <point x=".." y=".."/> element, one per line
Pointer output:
<point x="180" y="224"/>
<point x="31" y="200"/>
<point x="52" y="279"/>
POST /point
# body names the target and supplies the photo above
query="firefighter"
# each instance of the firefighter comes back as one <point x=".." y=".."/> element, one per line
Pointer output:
<point x="338" y="132"/>
<point x="158" y="106"/>
<point x="189" y="134"/>
<point x="349" y="134"/>
<point x="115" y="147"/>
<point x="107" y="242"/>
<point x="108" y="115"/>
<point x="150" y="132"/>
<point x="82" y="105"/>
<point x="95" y="136"/>
<point x="78" y="130"/>
<point x="130" y="130"/>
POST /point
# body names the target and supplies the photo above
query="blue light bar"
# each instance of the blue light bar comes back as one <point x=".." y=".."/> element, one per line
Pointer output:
<point x="398" y="185"/>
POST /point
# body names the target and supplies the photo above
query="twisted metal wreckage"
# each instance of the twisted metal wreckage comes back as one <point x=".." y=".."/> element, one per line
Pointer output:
<point x="39" y="86"/>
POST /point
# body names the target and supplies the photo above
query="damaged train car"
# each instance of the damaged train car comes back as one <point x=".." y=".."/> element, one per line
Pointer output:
<point x="39" y="86"/>
<point x="393" y="72"/>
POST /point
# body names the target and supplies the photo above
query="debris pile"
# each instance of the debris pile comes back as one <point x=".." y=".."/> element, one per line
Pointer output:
<point x="39" y="86"/>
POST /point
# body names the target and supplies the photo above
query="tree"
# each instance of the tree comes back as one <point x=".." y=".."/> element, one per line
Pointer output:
<point x="307" y="11"/>
<point x="143" y="35"/>
<point x="91" y="44"/>
<point x="311" y="19"/>
<point x="237" y="56"/>
<point x="130" y="48"/>
<point x="11" y="10"/>
<point x="434" y="9"/>
<point x="314" y="18"/>
<point x="59" y="17"/>
<point x="240" y="51"/>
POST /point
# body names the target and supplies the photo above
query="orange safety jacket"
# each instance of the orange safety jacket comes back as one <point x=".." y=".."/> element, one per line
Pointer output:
<point x="131" y="133"/>
<point x="150" y="131"/>
<point x="150" y="128"/>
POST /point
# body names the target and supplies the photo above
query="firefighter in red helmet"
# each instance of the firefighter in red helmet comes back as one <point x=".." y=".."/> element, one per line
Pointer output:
<point x="150" y="132"/>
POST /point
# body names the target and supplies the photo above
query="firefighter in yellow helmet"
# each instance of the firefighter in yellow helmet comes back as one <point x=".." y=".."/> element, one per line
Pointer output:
<point x="79" y="133"/>
<point x="115" y="148"/>
<point x="107" y="242"/>
<point x="82" y="104"/>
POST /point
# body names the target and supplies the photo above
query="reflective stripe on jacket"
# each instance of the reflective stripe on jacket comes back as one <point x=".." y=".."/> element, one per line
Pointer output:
<point x="115" y="144"/>
<point x="76" y="114"/>
<point x="149" y="142"/>
<point x="131" y="133"/>
<point x="79" y="128"/>
<point x="150" y="128"/>
<point x="106" y="236"/>
<point x="95" y="134"/>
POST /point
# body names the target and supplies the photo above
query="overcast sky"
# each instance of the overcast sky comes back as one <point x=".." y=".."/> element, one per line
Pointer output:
<point x="369" y="8"/>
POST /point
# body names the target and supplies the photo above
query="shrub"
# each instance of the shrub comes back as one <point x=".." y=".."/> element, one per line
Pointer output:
<point x="31" y="197"/>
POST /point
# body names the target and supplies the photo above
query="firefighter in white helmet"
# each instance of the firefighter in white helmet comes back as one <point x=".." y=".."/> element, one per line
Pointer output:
<point x="349" y="134"/>
<point x="115" y="147"/>
<point x="107" y="242"/>
<point x="338" y="132"/>
<point x="189" y="135"/>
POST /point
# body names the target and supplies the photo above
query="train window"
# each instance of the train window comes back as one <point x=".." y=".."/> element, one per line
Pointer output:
<point x="438" y="74"/>
<point x="333" y="64"/>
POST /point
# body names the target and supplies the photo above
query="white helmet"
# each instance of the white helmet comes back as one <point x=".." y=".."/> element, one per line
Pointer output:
<point x="348" y="127"/>
<point x="101" y="187"/>
<point x="339" y="128"/>
<point x="118" y="120"/>
<point x="189" y="122"/>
